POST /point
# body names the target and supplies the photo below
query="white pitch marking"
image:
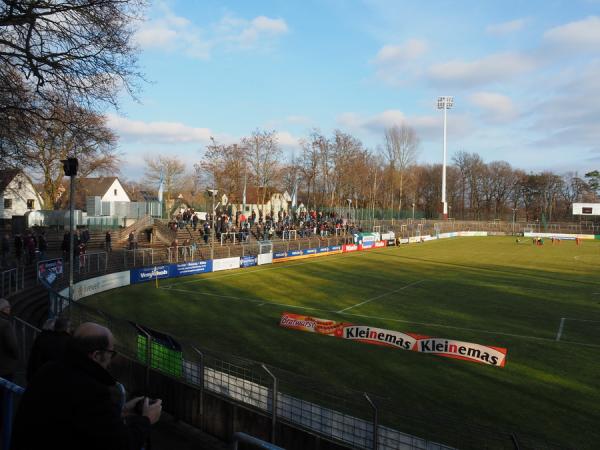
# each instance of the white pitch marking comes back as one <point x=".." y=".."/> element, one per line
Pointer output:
<point x="379" y="296"/>
<point x="560" y="329"/>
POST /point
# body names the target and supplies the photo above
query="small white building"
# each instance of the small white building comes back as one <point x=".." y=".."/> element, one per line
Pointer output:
<point x="18" y="194"/>
<point x="274" y="202"/>
<point x="586" y="209"/>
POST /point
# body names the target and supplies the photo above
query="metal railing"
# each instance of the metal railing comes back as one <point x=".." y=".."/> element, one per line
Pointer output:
<point x="10" y="389"/>
<point x="143" y="256"/>
<point x="87" y="262"/>
<point x="13" y="281"/>
<point x="182" y="253"/>
<point x="251" y="440"/>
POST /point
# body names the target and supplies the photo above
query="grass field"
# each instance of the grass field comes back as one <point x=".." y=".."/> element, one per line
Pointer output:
<point x="490" y="291"/>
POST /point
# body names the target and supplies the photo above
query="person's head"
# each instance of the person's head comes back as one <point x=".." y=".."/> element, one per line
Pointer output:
<point x="4" y="306"/>
<point x="96" y="342"/>
<point x="62" y="324"/>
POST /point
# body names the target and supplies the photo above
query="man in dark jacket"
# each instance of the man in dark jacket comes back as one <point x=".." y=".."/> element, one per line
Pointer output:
<point x="9" y="349"/>
<point x="49" y="345"/>
<point x="70" y="404"/>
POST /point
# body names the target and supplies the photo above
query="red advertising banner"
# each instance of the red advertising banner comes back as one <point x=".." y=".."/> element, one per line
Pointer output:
<point x="494" y="356"/>
<point x="350" y="248"/>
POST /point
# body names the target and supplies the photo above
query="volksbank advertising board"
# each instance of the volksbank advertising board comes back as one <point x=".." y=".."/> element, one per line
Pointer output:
<point x="248" y="261"/>
<point x="169" y="271"/>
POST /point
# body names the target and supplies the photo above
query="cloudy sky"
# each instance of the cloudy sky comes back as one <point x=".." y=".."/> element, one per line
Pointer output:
<point x="525" y="76"/>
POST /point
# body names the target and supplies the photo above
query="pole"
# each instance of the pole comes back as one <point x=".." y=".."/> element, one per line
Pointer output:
<point x="212" y="230"/>
<point x="444" y="204"/>
<point x="71" y="237"/>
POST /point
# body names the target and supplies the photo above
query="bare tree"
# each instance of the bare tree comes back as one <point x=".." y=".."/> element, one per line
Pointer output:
<point x="401" y="150"/>
<point x="223" y="167"/>
<point x="63" y="53"/>
<point x="78" y="132"/>
<point x="263" y="159"/>
<point x="172" y="170"/>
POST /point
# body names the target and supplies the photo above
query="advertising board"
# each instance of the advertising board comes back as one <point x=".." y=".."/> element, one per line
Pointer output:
<point x="149" y="273"/>
<point x="265" y="258"/>
<point x="483" y="354"/>
<point x="226" y="264"/>
<point x="49" y="270"/>
<point x="248" y="261"/>
<point x="191" y="268"/>
<point x="103" y="283"/>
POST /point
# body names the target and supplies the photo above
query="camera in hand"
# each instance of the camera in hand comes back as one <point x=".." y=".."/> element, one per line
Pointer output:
<point x="139" y="406"/>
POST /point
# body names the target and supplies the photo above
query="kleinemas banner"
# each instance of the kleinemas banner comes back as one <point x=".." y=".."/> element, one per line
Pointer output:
<point x="494" y="356"/>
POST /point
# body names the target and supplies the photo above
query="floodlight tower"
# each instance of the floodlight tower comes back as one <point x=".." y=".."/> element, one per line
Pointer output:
<point x="444" y="103"/>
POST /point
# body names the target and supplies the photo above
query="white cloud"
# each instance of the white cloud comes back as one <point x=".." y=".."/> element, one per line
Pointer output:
<point x="399" y="63"/>
<point x="173" y="33"/>
<point x="583" y="34"/>
<point x="493" y="68"/>
<point x="398" y="54"/>
<point x="496" y="107"/>
<point x="506" y="27"/>
<point x="157" y="132"/>
<point x="287" y="139"/>
<point x="427" y="127"/>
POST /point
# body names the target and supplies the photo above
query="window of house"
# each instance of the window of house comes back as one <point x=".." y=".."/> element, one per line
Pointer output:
<point x="115" y="192"/>
<point x="586" y="210"/>
<point x="20" y="184"/>
<point x="7" y="203"/>
<point x="30" y="203"/>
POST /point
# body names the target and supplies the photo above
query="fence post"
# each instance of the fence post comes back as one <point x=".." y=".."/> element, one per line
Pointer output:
<point x="513" y="437"/>
<point x="201" y="382"/>
<point x="375" y="421"/>
<point x="273" y="404"/>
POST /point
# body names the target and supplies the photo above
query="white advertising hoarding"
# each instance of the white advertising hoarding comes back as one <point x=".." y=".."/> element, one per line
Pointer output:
<point x="226" y="264"/>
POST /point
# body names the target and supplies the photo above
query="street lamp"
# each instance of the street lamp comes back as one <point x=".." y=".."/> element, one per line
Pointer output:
<point x="70" y="167"/>
<point x="413" y="206"/>
<point x="444" y="103"/>
<point x="213" y="194"/>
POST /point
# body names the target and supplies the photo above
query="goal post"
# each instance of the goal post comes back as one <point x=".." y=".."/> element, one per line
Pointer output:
<point x="265" y="247"/>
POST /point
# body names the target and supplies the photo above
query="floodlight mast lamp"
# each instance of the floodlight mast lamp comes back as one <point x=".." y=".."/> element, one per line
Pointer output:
<point x="444" y="103"/>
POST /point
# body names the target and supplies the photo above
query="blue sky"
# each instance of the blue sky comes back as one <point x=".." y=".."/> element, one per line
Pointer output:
<point x="525" y="76"/>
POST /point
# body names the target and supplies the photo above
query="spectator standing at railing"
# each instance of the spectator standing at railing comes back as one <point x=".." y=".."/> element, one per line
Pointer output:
<point x="18" y="248"/>
<point x="49" y="345"/>
<point x="108" y="241"/>
<point x="42" y="245"/>
<point x="85" y="236"/>
<point x="5" y="249"/>
<point x="70" y="404"/>
<point x="130" y="239"/>
<point x="66" y="243"/>
<point x="30" y="248"/>
<point x="9" y="349"/>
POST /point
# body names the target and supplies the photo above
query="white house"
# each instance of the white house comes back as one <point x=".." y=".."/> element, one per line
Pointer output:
<point x="18" y="194"/>
<point x="274" y="202"/>
<point x="101" y="196"/>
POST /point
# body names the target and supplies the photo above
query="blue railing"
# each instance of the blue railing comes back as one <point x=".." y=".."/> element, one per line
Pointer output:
<point x="9" y="391"/>
<point x="247" y="439"/>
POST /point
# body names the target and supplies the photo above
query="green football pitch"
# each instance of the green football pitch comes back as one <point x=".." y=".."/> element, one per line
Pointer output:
<point x="541" y="303"/>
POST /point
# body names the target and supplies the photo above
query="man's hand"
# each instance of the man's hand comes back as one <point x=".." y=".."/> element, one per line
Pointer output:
<point x="129" y="407"/>
<point x="152" y="410"/>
